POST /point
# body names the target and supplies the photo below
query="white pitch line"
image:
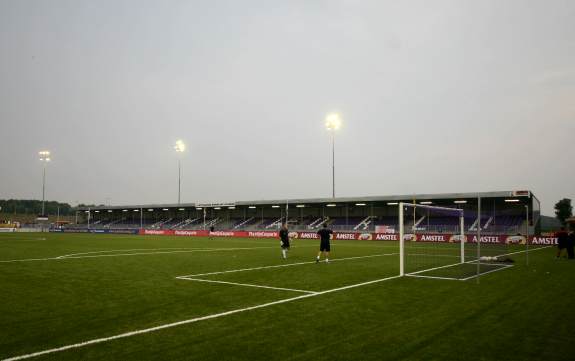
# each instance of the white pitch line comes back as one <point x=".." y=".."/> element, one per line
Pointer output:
<point x="432" y="255"/>
<point x="470" y="262"/>
<point x="434" y="277"/>
<point x="133" y="249"/>
<point x="283" y="265"/>
<point x="500" y="268"/>
<point x="135" y="254"/>
<point x="248" y="285"/>
<point x="434" y="268"/>
<point x="191" y="320"/>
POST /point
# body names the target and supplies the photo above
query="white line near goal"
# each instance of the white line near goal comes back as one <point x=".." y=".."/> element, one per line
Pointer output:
<point x="248" y="285"/>
<point x="282" y="265"/>
<point x="498" y="265"/>
<point x="191" y="320"/>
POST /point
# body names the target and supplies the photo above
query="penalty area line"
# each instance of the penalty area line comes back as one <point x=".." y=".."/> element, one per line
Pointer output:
<point x="282" y="265"/>
<point x="192" y="320"/>
<point x="248" y="285"/>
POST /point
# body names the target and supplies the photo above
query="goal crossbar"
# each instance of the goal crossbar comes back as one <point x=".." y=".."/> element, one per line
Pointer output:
<point x="424" y="206"/>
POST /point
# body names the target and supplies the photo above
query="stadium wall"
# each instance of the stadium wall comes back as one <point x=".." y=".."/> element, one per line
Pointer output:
<point x="438" y="238"/>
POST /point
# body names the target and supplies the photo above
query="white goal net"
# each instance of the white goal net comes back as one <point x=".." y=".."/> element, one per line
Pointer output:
<point x="434" y="244"/>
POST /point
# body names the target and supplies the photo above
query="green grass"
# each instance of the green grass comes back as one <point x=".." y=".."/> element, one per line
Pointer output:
<point x="520" y="313"/>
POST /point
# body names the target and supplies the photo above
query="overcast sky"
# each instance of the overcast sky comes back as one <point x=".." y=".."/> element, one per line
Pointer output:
<point x="436" y="96"/>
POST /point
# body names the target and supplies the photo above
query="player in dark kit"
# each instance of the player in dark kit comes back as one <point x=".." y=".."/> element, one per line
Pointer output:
<point x="324" y="246"/>
<point x="284" y="239"/>
<point x="562" y="241"/>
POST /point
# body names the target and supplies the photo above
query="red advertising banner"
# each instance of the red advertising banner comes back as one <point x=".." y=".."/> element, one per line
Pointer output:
<point x="437" y="238"/>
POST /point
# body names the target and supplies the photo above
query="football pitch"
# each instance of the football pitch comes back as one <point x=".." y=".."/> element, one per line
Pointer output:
<point x="94" y="297"/>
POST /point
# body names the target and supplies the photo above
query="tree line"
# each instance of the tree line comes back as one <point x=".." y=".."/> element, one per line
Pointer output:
<point x="563" y="210"/>
<point x="32" y="206"/>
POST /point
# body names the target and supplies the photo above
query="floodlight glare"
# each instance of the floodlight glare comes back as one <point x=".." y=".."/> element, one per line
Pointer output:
<point x="252" y="207"/>
<point x="44" y="155"/>
<point x="333" y="121"/>
<point x="180" y="146"/>
<point x="360" y="204"/>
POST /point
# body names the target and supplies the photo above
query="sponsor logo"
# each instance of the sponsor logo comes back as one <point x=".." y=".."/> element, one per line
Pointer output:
<point x="457" y="238"/>
<point x="345" y="236"/>
<point x="544" y="240"/>
<point x="386" y="237"/>
<point x="308" y="235"/>
<point x="222" y="234"/>
<point x="187" y="233"/>
<point x="365" y="237"/>
<point x="123" y="231"/>
<point x="152" y="231"/>
<point x="486" y="239"/>
<point x="265" y="234"/>
<point x="432" y="238"/>
<point x="409" y="237"/>
<point x="515" y="240"/>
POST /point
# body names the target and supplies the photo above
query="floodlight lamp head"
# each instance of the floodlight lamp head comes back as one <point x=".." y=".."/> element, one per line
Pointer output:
<point x="333" y="121"/>
<point x="180" y="146"/>
<point x="44" y="155"/>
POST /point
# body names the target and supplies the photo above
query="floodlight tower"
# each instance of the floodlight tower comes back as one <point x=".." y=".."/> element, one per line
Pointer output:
<point x="180" y="147"/>
<point x="332" y="123"/>
<point x="44" y="158"/>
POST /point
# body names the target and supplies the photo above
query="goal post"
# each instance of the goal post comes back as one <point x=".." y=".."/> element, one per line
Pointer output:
<point x="428" y="236"/>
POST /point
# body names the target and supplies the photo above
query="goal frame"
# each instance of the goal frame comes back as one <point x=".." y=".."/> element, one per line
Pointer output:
<point x="462" y="240"/>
